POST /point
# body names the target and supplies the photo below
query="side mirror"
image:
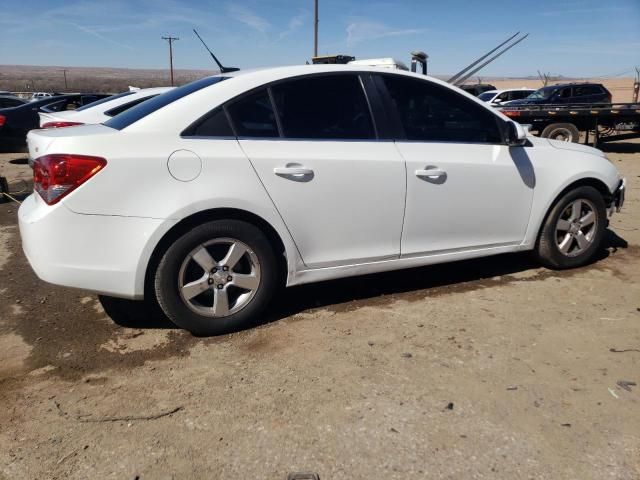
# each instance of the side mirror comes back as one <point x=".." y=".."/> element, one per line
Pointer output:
<point x="516" y="134"/>
<point x="497" y="100"/>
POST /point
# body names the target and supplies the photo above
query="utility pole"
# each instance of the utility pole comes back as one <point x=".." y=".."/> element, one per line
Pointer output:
<point x="171" y="40"/>
<point x="315" y="30"/>
<point x="64" y="72"/>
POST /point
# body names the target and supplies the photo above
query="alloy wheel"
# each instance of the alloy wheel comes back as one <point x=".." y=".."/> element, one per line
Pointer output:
<point x="576" y="227"/>
<point x="219" y="278"/>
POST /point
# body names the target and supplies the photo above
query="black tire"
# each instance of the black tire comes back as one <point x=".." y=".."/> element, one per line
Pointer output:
<point x="548" y="250"/>
<point x="172" y="266"/>
<point x="561" y="131"/>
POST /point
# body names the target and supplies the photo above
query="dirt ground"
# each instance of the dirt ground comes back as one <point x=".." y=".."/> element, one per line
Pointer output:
<point x="492" y="368"/>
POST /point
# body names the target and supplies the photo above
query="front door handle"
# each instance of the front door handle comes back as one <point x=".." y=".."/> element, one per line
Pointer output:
<point x="431" y="173"/>
<point x="289" y="171"/>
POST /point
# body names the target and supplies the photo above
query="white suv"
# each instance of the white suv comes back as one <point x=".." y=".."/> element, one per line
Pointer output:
<point x="206" y="198"/>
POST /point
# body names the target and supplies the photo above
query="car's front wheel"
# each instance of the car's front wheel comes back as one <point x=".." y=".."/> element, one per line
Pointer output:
<point x="217" y="277"/>
<point x="573" y="230"/>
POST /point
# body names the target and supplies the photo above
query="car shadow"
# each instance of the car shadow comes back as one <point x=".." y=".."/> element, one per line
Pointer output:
<point x="420" y="279"/>
<point x="620" y="147"/>
<point x="291" y="301"/>
<point x="19" y="161"/>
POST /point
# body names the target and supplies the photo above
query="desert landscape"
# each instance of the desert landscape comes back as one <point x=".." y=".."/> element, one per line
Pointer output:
<point x="20" y="78"/>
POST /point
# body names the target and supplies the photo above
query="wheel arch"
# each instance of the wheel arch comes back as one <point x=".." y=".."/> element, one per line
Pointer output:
<point x="581" y="182"/>
<point x="208" y="215"/>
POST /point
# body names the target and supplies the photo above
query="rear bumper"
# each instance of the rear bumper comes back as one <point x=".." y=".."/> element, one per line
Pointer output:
<point x="103" y="254"/>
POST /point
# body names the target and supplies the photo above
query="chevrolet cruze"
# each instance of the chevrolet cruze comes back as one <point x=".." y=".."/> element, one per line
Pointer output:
<point x="205" y="198"/>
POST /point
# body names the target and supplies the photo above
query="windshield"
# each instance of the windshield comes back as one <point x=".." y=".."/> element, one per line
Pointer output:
<point x="543" y="93"/>
<point x="145" y="108"/>
<point x="486" y="96"/>
<point x="104" y="100"/>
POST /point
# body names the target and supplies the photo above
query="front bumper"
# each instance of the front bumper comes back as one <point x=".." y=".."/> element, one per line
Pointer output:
<point x="101" y="253"/>
<point x="617" y="199"/>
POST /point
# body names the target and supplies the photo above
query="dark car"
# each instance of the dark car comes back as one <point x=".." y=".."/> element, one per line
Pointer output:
<point x="477" y="88"/>
<point x="8" y="101"/>
<point x="567" y="93"/>
<point x="15" y="122"/>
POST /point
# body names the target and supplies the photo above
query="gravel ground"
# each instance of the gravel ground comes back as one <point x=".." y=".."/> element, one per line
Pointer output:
<point x="492" y="368"/>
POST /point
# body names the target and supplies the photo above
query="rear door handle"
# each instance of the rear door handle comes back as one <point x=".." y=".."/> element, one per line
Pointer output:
<point x="286" y="171"/>
<point x="431" y="173"/>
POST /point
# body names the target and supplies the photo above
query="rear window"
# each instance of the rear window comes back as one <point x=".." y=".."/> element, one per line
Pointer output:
<point x="126" y="106"/>
<point x="104" y="100"/>
<point x="145" y="108"/>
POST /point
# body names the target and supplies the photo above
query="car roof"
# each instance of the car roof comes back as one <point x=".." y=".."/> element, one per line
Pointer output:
<point x="196" y="104"/>
<point x="571" y="84"/>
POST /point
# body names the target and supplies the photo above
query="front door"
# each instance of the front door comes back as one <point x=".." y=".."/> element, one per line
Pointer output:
<point x="465" y="188"/>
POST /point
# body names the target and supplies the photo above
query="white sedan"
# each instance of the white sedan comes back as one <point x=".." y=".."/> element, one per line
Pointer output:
<point x="99" y="111"/>
<point x="501" y="97"/>
<point x="206" y="198"/>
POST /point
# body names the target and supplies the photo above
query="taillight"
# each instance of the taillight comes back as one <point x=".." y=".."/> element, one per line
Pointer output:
<point x="2" y="120"/>
<point x="57" y="175"/>
<point x="60" y="124"/>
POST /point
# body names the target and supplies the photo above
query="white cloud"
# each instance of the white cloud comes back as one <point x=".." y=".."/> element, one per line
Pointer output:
<point x="363" y="30"/>
<point x="100" y="36"/>
<point x="294" y="24"/>
<point x="248" y="17"/>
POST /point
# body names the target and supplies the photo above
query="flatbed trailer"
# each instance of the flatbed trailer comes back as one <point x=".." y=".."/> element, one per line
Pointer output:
<point x="606" y="122"/>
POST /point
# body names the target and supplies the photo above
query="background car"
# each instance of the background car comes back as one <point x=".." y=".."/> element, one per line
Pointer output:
<point x="15" y="122"/>
<point x="40" y="95"/>
<point x="208" y="198"/>
<point x="498" y="97"/>
<point x="567" y="93"/>
<point x="98" y="111"/>
<point x="8" y="101"/>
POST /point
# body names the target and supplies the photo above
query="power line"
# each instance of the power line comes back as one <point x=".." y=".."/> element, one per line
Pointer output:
<point x="171" y="40"/>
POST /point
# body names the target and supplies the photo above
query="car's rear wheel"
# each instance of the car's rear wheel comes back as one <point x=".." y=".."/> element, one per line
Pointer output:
<point x="573" y="230"/>
<point x="217" y="277"/>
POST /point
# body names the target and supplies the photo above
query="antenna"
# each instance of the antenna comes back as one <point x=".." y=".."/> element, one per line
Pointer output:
<point x="477" y="69"/>
<point x="462" y="72"/>
<point x="220" y="66"/>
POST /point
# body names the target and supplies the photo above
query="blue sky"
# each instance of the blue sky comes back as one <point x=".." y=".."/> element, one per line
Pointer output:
<point x="573" y="38"/>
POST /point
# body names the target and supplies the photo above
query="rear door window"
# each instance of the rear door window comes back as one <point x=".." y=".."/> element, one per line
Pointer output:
<point x="332" y="107"/>
<point x="216" y="124"/>
<point x="253" y="116"/>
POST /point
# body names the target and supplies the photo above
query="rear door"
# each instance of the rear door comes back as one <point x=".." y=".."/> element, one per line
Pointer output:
<point x="339" y="189"/>
<point x="465" y="188"/>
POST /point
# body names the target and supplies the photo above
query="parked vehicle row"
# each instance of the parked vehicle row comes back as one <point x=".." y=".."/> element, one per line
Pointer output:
<point x="296" y="175"/>
<point x="17" y="121"/>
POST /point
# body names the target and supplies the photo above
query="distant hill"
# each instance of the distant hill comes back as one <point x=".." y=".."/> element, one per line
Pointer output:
<point x="89" y="79"/>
